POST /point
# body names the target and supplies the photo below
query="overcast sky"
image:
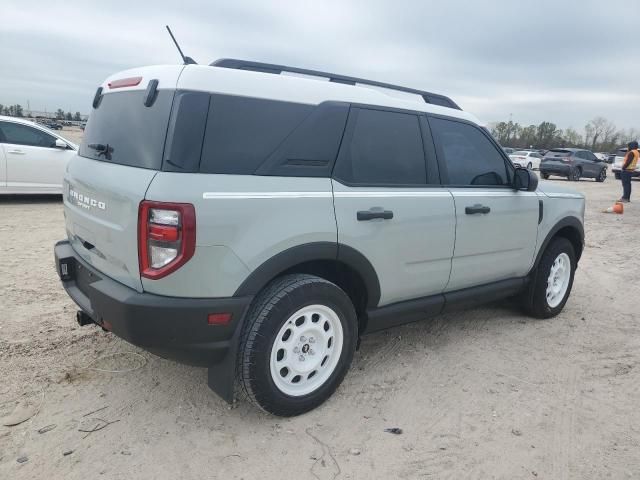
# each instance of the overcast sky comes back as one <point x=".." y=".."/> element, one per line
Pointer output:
<point x="565" y="61"/>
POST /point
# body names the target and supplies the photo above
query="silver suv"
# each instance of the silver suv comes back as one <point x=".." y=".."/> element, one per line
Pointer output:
<point x="257" y="219"/>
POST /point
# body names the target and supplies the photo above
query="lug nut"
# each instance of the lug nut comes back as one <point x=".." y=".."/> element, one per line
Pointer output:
<point x="311" y="352"/>
<point x="301" y="358"/>
<point x="312" y="340"/>
<point x="303" y="338"/>
<point x="296" y="350"/>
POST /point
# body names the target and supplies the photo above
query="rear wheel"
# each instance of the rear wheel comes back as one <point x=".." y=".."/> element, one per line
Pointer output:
<point x="297" y="345"/>
<point x="617" y="175"/>
<point x="545" y="176"/>
<point x="602" y="175"/>
<point x="552" y="280"/>
<point x="529" y="166"/>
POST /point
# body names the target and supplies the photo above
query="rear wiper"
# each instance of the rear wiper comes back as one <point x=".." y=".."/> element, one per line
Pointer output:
<point x="105" y="150"/>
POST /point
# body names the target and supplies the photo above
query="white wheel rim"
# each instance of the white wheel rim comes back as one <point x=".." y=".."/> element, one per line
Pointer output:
<point x="306" y="350"/>
<point x="558" y="281"/>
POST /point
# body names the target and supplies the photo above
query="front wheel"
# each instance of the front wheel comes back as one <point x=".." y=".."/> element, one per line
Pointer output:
<point x="552" y="280"/>
<point x="602" y="175"/>
<point x="297" y="344"/>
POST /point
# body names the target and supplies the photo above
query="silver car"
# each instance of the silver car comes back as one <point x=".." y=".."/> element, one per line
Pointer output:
<point x="258" y="224"/>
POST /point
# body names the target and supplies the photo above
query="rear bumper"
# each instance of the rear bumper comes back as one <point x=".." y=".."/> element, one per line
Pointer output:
<point x="555" y="169"/>
<point x="170" y="327"/>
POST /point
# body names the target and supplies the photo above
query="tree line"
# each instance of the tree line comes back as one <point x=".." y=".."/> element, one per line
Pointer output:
<point x="598" y="135"/>
<point x="18" y="111"/>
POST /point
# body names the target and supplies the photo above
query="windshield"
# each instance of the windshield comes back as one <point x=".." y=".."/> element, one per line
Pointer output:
<point x="123" y="131"/>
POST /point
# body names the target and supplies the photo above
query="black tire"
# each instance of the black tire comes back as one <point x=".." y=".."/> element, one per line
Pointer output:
<point x="617" y="175"/>
<point x="535" y="297"/>
<point x="270" y="310"/>
<point x="529" y="166"/>
<point x="602" y="176"/>
<point x="545" y="176"/>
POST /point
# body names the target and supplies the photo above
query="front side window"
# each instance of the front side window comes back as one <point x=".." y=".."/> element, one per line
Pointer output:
<point x="18" y="134"/>
<point x="385" y="149"/>
<point x="470" y="157"/>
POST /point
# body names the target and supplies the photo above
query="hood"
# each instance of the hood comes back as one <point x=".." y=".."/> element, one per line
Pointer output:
<point x="550" y="189"/>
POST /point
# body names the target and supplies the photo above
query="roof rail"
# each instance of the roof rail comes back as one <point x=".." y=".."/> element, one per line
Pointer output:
<point x="428" y="97"/>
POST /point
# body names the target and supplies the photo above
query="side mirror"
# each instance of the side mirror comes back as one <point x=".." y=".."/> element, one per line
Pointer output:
<point x="525" y="180"/>
<point x="61" y="144"/>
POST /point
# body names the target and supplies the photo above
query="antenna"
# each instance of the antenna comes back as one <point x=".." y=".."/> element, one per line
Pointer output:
<point x="186" y="60"/>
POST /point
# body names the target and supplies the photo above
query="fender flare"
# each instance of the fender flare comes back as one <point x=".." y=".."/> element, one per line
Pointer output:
<point x="309" y="252"/>
<point x="571" y="222"/>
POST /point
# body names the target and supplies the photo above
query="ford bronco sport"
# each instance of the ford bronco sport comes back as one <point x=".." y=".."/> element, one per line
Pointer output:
<point x="255" y="220"/>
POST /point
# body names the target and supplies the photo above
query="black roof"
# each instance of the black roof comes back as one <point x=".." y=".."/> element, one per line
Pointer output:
<point x="428" y="97"/>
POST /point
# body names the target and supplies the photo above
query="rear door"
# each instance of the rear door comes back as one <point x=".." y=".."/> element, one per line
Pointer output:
<point x="33" y="162"/>
<point x="389" y="204"/>
<point x="497" y="227"/>
<point x="120" y="154"/>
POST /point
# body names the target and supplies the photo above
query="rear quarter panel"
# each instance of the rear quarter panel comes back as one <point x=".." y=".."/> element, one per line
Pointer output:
<point x="241" y="222"/>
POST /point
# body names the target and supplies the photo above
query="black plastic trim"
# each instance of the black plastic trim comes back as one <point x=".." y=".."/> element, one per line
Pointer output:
<point x="310" y="252"/>
<point x="571" y="222"/>
<point x="422" y="308"/>
<point x="171" y="327"/>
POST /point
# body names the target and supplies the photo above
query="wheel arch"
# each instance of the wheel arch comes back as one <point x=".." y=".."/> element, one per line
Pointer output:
<point x="570" y="228"/>
<point x="343" y="265"/>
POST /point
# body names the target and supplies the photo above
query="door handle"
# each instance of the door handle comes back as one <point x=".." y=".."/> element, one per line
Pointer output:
<point x="16" y="152"/>
<point x="364" y="215"/>
<point x="477" y="208"/>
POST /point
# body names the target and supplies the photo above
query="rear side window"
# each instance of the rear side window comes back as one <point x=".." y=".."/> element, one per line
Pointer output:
<point x="24" y="135"/>
<point x="385" y="148"/>
<point x="469" y="156"/>
<point x="134" y="134"/>
<point x="242" y="132"/>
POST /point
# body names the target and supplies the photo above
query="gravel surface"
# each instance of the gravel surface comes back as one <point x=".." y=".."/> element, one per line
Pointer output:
<point x="486" y="393"/>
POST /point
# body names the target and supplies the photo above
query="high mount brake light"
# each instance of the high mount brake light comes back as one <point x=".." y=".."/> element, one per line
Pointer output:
<point x="166" y="237"/>
<point x="125" y="82"/>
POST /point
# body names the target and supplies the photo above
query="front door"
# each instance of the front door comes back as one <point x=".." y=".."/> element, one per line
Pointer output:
<point x="389" y="205"/>
<point x="496" y="231"/>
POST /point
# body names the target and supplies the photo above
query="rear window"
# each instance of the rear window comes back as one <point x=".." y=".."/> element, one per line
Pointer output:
<point x="557" y="152"/>
<point x="122" y="130"/>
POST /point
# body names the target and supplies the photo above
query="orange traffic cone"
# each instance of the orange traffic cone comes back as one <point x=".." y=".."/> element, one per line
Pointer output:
<point x="618" y="207"/>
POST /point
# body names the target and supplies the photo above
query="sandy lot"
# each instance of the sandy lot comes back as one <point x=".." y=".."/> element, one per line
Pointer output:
<point x="486" y="393"/>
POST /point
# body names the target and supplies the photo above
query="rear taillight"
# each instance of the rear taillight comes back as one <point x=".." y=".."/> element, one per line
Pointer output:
<point x="166" y="237"/>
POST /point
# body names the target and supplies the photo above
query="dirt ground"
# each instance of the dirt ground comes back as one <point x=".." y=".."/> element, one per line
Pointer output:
<point x="487" y="393"/>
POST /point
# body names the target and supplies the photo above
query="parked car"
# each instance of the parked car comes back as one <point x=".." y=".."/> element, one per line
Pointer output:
<point x="32" y="158"/>
<point x="52" y="125"/>
<point x="617" y="160"/>
<point x="529" y="159"/>
<point x="573" y="163"/>
<point x="602" y="156"/>
<point x="258" y="224"/>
